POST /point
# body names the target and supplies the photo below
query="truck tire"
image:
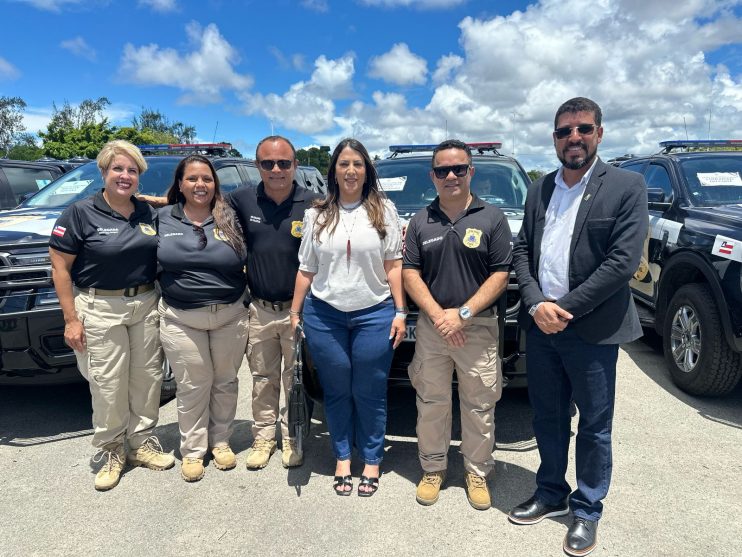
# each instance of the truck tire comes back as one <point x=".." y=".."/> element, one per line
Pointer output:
<point x="701" y="361"/>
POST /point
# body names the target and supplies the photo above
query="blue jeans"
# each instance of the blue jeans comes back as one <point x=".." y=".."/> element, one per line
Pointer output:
<point x="561" y="366"/>
<point x="352" y="353"/>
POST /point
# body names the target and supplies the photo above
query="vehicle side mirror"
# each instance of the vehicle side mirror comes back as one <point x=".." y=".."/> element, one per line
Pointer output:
<point x="658" y="200"/>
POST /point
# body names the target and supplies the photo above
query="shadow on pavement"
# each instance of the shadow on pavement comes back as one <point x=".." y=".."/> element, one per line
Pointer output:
<point x="35" y="415"/>
<point x="646" y="353"/>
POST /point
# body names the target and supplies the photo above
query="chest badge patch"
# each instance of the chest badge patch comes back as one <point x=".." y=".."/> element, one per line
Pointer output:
<point x="219" y="235"/>
<point x="297" y="227"/>
<point x="472" y="238"/>
<point x="147" y="229"/>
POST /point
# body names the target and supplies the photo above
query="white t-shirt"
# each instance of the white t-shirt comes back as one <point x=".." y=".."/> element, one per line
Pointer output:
<point x="358" y="282"/>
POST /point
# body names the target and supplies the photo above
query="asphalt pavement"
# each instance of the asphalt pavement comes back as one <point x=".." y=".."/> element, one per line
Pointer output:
<point x="676" y="491"/>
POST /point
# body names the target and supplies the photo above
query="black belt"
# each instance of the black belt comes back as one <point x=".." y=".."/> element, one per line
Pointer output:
<point x="128" y="292"/>
<point x="275" y="306"/>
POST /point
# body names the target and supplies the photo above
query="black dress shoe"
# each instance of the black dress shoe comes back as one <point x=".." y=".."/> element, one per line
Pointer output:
<point x="581" y="537"/>
<point x="533" y="511"/>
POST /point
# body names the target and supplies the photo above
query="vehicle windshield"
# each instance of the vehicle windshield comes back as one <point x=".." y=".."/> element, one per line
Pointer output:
<point x="407" y="182"/>
<point x="85" y="180"/>
<point x="714" y="180"/>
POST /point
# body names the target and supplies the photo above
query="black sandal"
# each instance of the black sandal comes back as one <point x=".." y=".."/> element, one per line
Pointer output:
<point x="371" y="483"/>
<point x="343" y="482"/>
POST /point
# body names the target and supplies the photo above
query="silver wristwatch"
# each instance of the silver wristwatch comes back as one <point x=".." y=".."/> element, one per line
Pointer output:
<point x="533" y="308"/>
<point x="465" y="313"/>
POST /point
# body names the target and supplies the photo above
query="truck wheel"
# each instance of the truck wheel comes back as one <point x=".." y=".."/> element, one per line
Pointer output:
<point x="701" y="361"/>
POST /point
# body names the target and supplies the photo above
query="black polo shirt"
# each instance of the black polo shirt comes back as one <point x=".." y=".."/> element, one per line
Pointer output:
<point x="455" y="258"/>
<point x="192" y="277"/>
<point x="113" y="252"/>
<point x="273" y="234"/>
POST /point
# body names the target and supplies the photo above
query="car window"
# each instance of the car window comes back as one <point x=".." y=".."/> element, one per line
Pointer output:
<point x="714" y="180"/>
<point x="85" y="180"/>
<point x="658" y="177"/>
<point x="252" y="173"/>
<point x="23" y="181"/>
<point x="407" y="182"/>
<point x="634" y="166"/>
<point x="229" y="178"/>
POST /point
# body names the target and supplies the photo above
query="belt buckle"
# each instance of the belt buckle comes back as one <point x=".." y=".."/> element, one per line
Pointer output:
<point x="277" y="306"/>
<point x="131" y="291"/>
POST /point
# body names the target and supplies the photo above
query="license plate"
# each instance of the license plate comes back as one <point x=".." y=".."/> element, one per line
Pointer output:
<point x="409" y="335"/>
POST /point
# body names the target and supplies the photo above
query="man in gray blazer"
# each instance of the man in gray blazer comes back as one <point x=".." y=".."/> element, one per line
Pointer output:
<point x="581" y="240"/>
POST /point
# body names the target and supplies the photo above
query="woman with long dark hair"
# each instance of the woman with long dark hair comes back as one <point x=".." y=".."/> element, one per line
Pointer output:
<point x="203" y="321"/>
<point x="351" y="260"/>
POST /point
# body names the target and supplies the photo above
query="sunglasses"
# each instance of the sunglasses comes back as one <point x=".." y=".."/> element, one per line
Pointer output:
<point x="459" y="170"/>
<point x="582" y="129"/>
<point x="201" y="236"/>
<point x="283" y="164"/>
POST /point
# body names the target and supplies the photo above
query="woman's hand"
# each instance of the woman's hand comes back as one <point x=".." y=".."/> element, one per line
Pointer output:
<point x="399" y="328"/>
<point x="294" y="320"/>
<point x="74" y="335"/>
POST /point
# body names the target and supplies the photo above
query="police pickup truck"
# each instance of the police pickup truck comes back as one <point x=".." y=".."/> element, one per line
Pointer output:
<point x="32" y="348"/>
<point x="689" y="285"/>
<point x="405" y="178"/>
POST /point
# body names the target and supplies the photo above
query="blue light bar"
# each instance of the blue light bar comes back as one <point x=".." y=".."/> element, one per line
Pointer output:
<point x="418" y="148"/>
<point x="184" y="146"/>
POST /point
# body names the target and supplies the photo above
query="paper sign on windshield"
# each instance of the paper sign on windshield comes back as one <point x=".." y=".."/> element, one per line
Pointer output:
<point x="719" y="178"/>
<point x="72" y="187"/>
<point x="41" y="183"/>
<point x="393" y="184"/>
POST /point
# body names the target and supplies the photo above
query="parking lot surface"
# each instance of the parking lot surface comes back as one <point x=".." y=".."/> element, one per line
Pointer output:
<point x="677" y="484"/>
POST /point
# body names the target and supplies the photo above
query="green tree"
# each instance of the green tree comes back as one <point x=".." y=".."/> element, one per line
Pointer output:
<point x="318" y="157"/>
<point x="77" y="131"/>
<point x="11" y="121"/>
<point x="25" y="149"/>
<point x="535" y="174"/>
<point x="156" y="121"/>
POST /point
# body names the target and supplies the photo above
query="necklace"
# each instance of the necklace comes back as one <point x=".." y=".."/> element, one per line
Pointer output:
<point x="348" y="232"/>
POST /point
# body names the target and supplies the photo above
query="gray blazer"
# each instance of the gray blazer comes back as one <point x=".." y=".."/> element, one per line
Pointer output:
<point x="607" y="243"/>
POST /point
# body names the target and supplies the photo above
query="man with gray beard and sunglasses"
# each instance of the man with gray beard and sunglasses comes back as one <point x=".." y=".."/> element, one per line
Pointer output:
<point x="580" y="242"/>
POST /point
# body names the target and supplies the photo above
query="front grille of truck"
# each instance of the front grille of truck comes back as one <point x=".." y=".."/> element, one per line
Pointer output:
<point x="22" y="273"/>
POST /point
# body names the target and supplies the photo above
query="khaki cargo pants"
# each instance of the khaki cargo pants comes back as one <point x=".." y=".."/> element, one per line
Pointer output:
<point x="270" y="355"/>
<point x="478" y="371"/>
<point x="205" y="348"/>
<point x="123" y="365"/>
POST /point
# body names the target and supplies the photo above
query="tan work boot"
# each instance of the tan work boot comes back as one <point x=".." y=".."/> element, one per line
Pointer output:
<point x="477" y="491"/>
<point x="150" y="455"/>
<point x="192" y="469"/>
<point x="430" y="487"/>
<point x="109" y="475"/>
<point x="260" y="453"/>
<point x="289" y="457"/>
<point x="224" y="458"/>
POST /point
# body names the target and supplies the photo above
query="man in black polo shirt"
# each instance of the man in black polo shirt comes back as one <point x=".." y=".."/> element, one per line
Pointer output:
<point x="457" y="256"/>
<point x="271" y="217"/>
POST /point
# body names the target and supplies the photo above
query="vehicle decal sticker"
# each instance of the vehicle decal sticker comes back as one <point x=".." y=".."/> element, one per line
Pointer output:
<point x="6" y="222"/>
<point x="719" y="178"/>
<point x="728" y="248"/>
<point x="59" y="230"/>
<point x="393" y="184"/>
<point x="659" y="226"/>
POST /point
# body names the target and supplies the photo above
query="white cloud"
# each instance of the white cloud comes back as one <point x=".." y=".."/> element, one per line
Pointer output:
<point x="421" y="4"/>
<point x="446" y="65"/>
<point x="79" y="47"/>
<point x="8" y="70"/>
<point x="645" y="63"/>
<point x="316" y="5"/>
<point x="307" y="106"/>
<point x="202" y="73"/>
<point x="293" y="61"/>
<point x="50" y="5"/>
<point x="162" y="6"/>
<point x="399" y="66"/>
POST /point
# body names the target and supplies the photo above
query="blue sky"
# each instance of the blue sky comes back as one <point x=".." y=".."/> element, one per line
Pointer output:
<point x="386" y="71"/>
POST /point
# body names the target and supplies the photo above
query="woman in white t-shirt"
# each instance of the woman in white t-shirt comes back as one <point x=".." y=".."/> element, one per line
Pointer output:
<point x="354" y="316"/>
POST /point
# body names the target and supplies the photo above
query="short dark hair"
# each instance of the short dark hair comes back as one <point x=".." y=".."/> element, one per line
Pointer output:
<point x="274" y="138"/>
<point x="579" y="104"/>
<point x="451" y="144"/>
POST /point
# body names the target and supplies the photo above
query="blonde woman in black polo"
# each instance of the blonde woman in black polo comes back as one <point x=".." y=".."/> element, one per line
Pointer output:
<point x="103" y="253"/>
<point x="203" y="321"/>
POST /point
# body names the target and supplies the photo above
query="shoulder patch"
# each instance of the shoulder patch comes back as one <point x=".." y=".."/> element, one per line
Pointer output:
<point x="472" y="238"/>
